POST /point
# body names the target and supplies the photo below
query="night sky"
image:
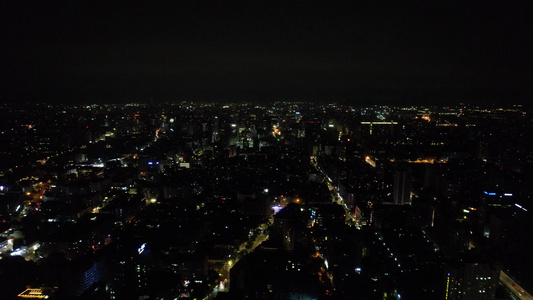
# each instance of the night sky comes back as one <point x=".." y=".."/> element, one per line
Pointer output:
<point x="423" y="52"/>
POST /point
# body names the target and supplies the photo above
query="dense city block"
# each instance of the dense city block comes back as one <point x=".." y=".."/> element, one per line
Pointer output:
<point x="286" y="200"/>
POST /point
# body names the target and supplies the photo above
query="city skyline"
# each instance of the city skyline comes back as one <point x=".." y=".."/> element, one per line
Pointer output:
<point x="276" y="201"/>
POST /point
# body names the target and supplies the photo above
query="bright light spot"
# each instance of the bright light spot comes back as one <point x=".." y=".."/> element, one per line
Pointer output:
<point x="276" y="208"/>
<point x="18" y="252"/>
<point x="141" y="248"/>
<point x="520" y="206"/>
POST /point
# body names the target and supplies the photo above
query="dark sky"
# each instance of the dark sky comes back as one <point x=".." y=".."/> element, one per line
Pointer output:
<point x="402" y="52"/>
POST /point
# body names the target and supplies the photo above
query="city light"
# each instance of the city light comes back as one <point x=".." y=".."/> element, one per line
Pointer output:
<point x="276" y="208"/>
<point x="520" y="206"/>
<point x="141" y="248"/>
<point x="33" y="294"/>
<point x="232" y="193"/>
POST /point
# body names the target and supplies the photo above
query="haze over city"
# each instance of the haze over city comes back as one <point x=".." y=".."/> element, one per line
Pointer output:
<point x="345" y="51"/>
<point x="286" y="150"/>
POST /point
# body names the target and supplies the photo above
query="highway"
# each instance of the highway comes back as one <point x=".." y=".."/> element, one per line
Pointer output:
<point x="517" y="290"/>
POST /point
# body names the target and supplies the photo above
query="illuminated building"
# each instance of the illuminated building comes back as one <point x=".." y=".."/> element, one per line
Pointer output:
<point x="471" y="281"/>
<point x="402" y="187"/>
<point x="382" y="130"/>
<point x="89" y="273"/>
<point x="36" y="293"/>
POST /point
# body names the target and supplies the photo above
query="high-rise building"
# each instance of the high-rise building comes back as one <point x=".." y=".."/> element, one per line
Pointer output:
<point x="471" y="281"/>
<point x="402" y="187"/>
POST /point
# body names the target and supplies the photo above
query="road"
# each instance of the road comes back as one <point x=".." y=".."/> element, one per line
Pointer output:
<point x="335" y="195"/>
<point x="223" y="283"/>
<point x="517" y="290"/>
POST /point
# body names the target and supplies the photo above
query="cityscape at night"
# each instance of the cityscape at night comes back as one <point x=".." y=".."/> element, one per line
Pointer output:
<point x="285" y="201"/>
<point x="284" y="150"/>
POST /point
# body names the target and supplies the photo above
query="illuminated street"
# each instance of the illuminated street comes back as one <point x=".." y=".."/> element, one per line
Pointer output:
<point x="335" y="195"/>
<point x="223" y="282"/>
<point x="512" y="286"/>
